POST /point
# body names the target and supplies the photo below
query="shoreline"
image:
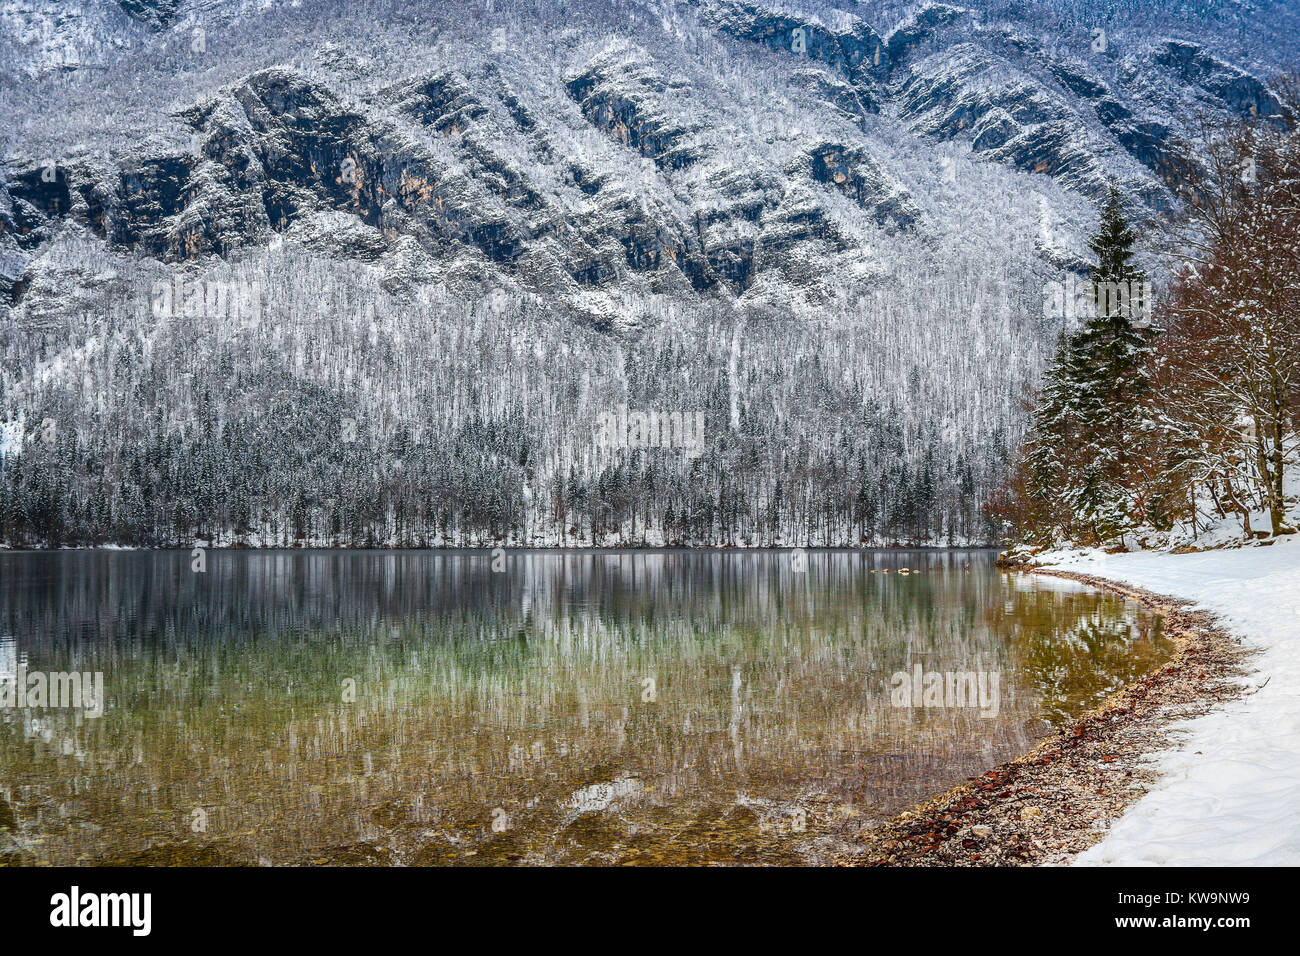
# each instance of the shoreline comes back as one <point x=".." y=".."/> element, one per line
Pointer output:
<point x="576" y="548"/>
<point x="1051" y="804"/>
<point x="1062" y="797"/>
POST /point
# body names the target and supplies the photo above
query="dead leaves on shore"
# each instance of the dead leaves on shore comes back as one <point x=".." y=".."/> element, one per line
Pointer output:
<point x="1060" y="799"/>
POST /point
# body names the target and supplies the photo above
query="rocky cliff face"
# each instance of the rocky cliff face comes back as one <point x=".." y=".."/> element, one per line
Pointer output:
<point x="614" y="166"/>
<point x="451" y="158"/>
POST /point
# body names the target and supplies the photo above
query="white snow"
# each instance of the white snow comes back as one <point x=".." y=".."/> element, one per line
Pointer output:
<point x="11" y="437"/>
<point x="1230" y="790"/>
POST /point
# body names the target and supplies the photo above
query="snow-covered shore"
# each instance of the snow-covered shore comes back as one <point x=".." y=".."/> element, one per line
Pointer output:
<point x="1229" y="793"/>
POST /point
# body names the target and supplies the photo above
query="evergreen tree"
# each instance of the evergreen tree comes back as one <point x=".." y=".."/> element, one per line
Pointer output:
<point x="1109" y="356"/>
<point x="1088" y="413"/>
<point x="1111" y="351"/>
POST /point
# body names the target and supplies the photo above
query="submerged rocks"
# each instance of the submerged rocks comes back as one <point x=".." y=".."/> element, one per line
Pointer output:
<point x="1055" y="801"/>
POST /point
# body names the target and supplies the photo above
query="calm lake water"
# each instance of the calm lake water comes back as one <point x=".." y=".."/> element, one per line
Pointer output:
<point x="580" y="707"/>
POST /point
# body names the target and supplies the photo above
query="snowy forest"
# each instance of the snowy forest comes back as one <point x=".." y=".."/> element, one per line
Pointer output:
<point x="423" y="423"/>
<point x="1155" y="432"/>
<point x="318" y="275"/>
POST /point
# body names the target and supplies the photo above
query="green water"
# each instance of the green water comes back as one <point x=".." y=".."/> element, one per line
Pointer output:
<point x="576" y="708"/>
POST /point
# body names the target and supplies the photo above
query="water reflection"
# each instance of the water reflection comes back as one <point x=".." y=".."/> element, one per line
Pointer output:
<point x="415" y="707"/>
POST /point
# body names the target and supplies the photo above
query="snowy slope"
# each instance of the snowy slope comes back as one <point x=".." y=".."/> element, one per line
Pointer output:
<point x="1231" y="785"/>
<point x="475" y="228"/>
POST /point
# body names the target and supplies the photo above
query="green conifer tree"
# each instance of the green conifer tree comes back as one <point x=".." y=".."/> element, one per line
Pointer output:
<point x="1087" y="416"/>
<point x="1108" y="357"/>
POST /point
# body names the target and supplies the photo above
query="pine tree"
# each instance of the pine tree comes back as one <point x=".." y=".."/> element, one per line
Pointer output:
<point x="1112" y="350"/>
<point x="1088" y="413"/>
<point x="1109" y="356"/>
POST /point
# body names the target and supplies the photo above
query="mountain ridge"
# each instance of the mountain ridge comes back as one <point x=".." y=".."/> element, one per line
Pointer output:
<point x="805" y="198"/>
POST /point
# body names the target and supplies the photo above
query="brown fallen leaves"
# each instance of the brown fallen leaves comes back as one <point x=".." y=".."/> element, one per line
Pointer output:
<point x="1059" y="799"/>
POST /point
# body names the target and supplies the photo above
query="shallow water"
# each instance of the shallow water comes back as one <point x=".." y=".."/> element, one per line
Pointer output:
<point x="580" y="707"/>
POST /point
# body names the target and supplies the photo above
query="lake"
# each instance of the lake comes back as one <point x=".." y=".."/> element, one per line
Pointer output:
<point x="415" y="707"/>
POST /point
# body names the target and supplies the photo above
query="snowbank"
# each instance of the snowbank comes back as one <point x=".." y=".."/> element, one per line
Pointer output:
<point x="1230" y="790"/>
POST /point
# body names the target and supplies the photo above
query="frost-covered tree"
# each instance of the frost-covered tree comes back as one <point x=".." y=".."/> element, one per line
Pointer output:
<point x="1086" y="419"/>
<point x="1202" y="422"/>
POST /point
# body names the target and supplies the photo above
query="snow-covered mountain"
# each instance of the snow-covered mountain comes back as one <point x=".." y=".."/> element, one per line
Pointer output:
<point x="375" y="273"/>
